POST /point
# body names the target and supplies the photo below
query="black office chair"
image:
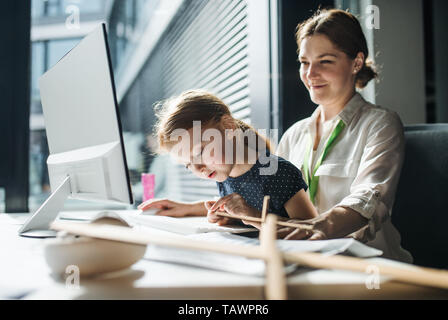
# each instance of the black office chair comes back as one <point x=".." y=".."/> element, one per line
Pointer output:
<point x="420" y="212"/>
<point x="427" y="127"/>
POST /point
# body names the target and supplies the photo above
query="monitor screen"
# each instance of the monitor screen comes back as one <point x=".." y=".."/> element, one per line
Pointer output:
<point x="87" y="156"/>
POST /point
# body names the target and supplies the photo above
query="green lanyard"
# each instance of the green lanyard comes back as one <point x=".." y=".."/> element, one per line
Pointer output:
<point x="313" y="181"/>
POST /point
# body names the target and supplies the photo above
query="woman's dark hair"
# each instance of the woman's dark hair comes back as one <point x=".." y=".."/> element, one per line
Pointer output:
<point x="344" y="31"/>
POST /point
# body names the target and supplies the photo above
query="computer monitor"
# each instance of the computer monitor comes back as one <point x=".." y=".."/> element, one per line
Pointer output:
<point x="87" y="158"/>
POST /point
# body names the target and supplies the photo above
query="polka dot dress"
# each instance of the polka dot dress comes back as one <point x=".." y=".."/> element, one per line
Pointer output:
<point x="253" y="186"/>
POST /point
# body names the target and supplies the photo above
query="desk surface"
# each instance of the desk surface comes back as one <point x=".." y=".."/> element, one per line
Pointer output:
<point x="25" y="274"/>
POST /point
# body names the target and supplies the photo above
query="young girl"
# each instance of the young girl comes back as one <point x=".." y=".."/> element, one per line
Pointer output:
<point x="198" y="130"/>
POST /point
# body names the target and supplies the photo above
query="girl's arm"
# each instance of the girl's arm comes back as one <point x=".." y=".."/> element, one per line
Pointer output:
<point x="174" y="209"/>
<point x="300" y="206"/>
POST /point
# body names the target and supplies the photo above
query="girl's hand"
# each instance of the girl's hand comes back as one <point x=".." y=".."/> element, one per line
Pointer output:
<point x="233" y="204"/>
<point x="213" y="217"/>
<point x="173" y="209"/>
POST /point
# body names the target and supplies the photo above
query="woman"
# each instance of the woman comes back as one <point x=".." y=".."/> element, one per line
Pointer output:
<point x="349" y="151"/>
<point x="353" y="186"/>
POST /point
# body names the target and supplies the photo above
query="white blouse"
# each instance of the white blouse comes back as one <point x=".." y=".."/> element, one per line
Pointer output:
<point x="360" y="172"/>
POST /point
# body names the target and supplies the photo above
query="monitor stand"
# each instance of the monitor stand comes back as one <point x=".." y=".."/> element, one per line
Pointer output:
<point x="38" y="225"/>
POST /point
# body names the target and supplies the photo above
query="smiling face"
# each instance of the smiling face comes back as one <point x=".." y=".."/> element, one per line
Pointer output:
<point x="327" y="73"/>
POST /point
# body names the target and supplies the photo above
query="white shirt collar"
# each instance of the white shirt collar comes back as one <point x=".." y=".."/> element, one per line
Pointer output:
<point x="351" y="108"/>
<point x="346" y="115"/>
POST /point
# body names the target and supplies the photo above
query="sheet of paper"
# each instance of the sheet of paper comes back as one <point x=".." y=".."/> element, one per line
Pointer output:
<point x="236" y="264"/>
<point x="184" y="225"/>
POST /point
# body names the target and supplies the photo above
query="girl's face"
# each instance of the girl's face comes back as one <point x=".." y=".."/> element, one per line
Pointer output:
<point x="206" y="159"/>
<point x="327" y="73"/>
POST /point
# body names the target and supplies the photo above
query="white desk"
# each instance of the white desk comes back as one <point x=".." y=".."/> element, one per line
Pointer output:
<point x="24" y="272"/>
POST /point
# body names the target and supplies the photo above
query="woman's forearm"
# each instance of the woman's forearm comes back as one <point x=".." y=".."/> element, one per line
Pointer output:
<point x="341" y="221"/>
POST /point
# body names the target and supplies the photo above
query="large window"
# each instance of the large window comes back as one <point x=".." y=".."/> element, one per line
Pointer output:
<point x="50" y="11"/>
<point x="218" y="45"/>
<point x="158" y="49"/>
<point x="127" y="23"/>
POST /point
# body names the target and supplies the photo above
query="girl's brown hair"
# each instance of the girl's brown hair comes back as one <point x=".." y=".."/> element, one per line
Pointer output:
<point x="194" y="105"/>
<point x="344" y="31"/>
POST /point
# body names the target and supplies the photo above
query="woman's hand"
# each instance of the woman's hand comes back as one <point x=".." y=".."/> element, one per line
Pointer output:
<point x="174" y="209"/>
<point x="339" y="222"/>
<point x="312" y="229"/>
<point x="233" y="204"/>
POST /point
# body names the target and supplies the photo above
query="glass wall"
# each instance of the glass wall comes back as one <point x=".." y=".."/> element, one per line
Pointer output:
<point x="52" y="11"/>
<point x="127" y="23"/>
<point x="206" y="45"/>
